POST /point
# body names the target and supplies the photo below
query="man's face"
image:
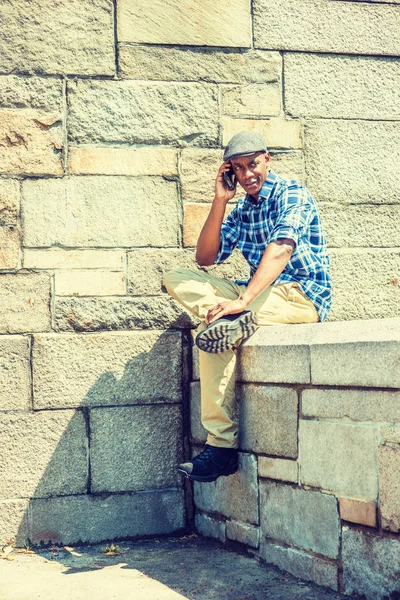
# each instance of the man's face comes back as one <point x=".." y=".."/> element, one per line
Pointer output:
<point x="251" y="171"/>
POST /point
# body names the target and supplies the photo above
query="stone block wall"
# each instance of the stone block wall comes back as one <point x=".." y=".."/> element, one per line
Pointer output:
<point x="317" y="492"/>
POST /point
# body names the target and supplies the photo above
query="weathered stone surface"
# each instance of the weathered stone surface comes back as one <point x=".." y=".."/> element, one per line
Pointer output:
<point x="24" y="302"/>
<point x="135" y="448"/>
<point x="89" y="282"/>
<point x="43" y="454"/>
<point x="31" y="92"/>
<point x="57" y="258"/>
<point x="268" y="420"/>
<point x="92" y="519"/>
<point x="371" y="564"/>
<point x="389" y="487"/>
<point x="30" y="142"/>
<point x="15" y="373"/>
<point x="391" y="435"/>
<point x="194" y="219"/>
<point x="340" y="458"/>
<point x="83" y="31"/>
<point x="315" y="86"/>
<point x="357" y="405"/>
<point x="205" y="24"/>
<point x="106" y="369"/>
<point x="243" y="533"/>
<point x="347" y="27"/>
<point x="13" y="522"/>
<point x="235" y="496"/>
<point x="191" y="64"/>
<point x="209" y="527"/>
<point x="77" y="211"/>
<point x="358" y="511"/>
<point x="123" y="161"/>
<point x="300" y="564"/>
<point x="120" y="313"/>
<point x="278" y="132"/>
<point x="358" y="353"/>
<point x="252" y="100"/>
<point x="306" y="519"/>
<point x="289" y="165"/>
<point x="156" y="113"/>
<point x="9" y="201"/>
<point x="197" y="431"/>
<point x="9" y="247"/>
<point x="330" y="143"/>
<point x="277" y="468"/>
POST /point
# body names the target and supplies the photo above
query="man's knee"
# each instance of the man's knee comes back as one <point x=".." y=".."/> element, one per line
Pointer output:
<point x="175" y="276"/>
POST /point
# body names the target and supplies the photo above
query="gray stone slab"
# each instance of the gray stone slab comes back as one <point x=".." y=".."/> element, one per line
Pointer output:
<point x="209" y="527"/>
<point x="305" y="519"/>
<point x="81" y="30"/>
<point x="13" y="522"/>
<point x="268" y="420"/>
<point x="389" y="487"/>
<point x="371" y="565"/>
<point x="15" y="373"/>
<point x="43" y="454"/>
<point x="235" y="496"/>
<point x="243" y="533"/>
<point x="135" y="448"/>
<point x="339" y="457"/>
<point x="156" y="113"/>
<point x="24" y="302"/>
<point x="31" y="92"/>
<point x="91" y="519"/>
<point x="106" y="368"/>
<point x="197" y="431"/>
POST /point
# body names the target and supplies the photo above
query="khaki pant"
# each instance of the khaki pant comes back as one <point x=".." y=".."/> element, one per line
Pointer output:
<point x="198" y="292"/>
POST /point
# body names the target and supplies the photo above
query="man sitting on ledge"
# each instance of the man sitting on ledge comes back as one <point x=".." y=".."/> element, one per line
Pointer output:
<point x="278" y="229"/>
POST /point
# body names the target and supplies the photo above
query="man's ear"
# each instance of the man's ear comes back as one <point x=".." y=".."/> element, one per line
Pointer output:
<point x="267" y="157"/>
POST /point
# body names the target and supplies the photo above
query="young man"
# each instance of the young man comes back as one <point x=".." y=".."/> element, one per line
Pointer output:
<point x="278" y="229"/>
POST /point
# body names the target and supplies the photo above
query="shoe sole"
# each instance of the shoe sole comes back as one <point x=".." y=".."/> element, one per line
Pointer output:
<point x="224" y="336"/>
<point x="206" y="479"/>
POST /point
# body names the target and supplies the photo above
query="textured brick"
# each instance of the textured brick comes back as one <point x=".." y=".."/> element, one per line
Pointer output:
<point x="77" y="211"/>
<point x="346" y="462"/>
<point x="268" y="420"/>
<point x="9" y="247"/>
<point x="15" y="377"/>
<point x="13" y="522"/>
<point x="289" y="165"/>
<point x="30" y="142"/>
<point x="358" y="511"/>
<point x="389" y="487"/>
<point x="9" y="201"/>
<point x="92" y="519"/>
<point x="133" y="112"/>
<point x="57" y="258"/>
<point x="43" y="454"/>
<point x="391" y="435"/>
<point x="205" y="24"/>
<point x="277" y="468"/>
<point x="123" y="161"/>
<point x="192" y="64"/>
<point x="24" y="302"/>
<point x="31" y="92"/>
<point x="278" y="133"/>
<point x="82" y="31"/>
<point x="252" y="100"/>
<point x="209" y="527"/>
<point x="243" y="533"/>
<point x="135" y="448"/>
<point x="89" y="282"/>
<point x="342" y="27"/>
<point x="306" y="519"/>
<point x="106" y="368"/>
<point x="194" y="219"/>
<point x="197" y="431"/>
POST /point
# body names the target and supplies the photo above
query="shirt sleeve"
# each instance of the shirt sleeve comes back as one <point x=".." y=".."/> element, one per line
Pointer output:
<point x="295" y="212"/>
<point x="229" y="236"/>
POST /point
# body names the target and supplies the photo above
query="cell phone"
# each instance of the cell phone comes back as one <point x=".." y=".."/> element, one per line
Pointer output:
<point x="230" y="179"/>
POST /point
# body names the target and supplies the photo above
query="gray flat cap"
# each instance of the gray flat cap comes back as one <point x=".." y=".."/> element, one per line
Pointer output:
<point x="244" y="143"/>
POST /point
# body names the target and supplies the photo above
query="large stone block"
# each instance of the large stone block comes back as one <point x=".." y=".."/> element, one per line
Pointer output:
<point x="58" y="258"/>
<point x="389" y="487"/>
<point x="9" y="247"/>
<point x="391" y="434"/>
<point x="358" y="511"/>
<point x="340" y="458"/>
<point x="341" y="86"/>
<point x="192" y="24"/>
<point x="209" y="527"/>
<point x="197" y="432"/>
<point x="191" y="64"/>
<point x="123" y="161"/>
<point x="82" y="31"/>
<point x="106" y="368"/>
<point x="133" y="112"/>
<point x="235" y="496"/>
<point x="278" y="468"/>
<point x="120" y="313"/>
<point x="43" y="454"/>
<point x="135" y="448"/>
<point x="252" y="100"/>
<point x="329" y="145"/>
<point x="194" y="218"/>
<point x="305" y="519"/>
<point x="278" y="132"/>
<point x="24" y="302"/>
<point x="358" y="353"/>
<point x="342" y="27"/>
<point x="77" y="211"/>
<point x="31" y="92"/>
<point x="15" y="373"/>
<point x="268" y="420"/>
<point x="89" y="282"/>
<point x="30" y="142"/>
<point x="243" y="533"/>
<point x="92" y="519"/>
<point x="357" y="405"/>
<point x="371" y="565"/>
<point x="289" y="165"/>
<point x="13" y="522"/>
<point x="9" y="201"/>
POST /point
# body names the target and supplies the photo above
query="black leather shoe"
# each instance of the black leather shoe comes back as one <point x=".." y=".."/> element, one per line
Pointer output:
<point x="210" y="464"/>
<point x="225" y="333"/>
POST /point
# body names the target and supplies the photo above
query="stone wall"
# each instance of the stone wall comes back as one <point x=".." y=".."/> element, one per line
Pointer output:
<point x="318" y="487"/>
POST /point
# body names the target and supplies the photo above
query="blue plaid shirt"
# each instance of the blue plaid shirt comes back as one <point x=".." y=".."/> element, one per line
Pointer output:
<point x="285" y="209"/>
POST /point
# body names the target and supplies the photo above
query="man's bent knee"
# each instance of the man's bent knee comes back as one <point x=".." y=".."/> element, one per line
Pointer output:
<point x="175" y="276"/>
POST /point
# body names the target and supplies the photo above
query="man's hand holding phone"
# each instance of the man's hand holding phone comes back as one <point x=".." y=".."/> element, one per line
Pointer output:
<point x="225" y="183"/>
